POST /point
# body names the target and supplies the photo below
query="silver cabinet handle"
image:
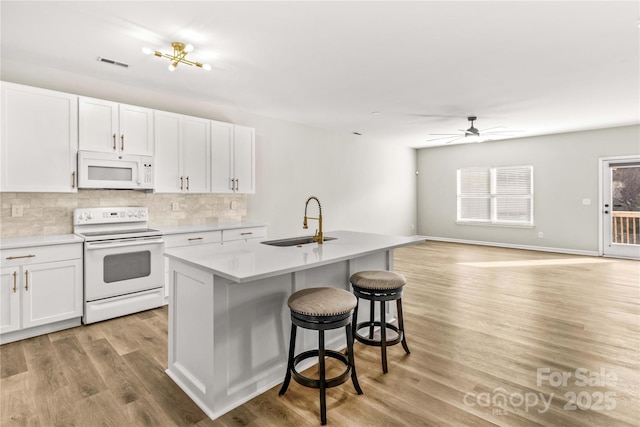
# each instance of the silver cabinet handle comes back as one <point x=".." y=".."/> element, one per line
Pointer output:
<point x="26" y="276"/>
<point x="73" y="179"/>
<point x="115" y="147"/>
<point x="15" y="281"/>
<point x="187" y="183"/>
<point x="181" y="183"/>
<point x="122" y="142"/>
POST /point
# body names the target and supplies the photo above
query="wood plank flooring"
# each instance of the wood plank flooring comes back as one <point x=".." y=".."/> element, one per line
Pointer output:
<point x="480" y="322"/>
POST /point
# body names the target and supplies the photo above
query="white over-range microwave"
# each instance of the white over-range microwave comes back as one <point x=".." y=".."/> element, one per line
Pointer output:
<point x="112" y="170"/>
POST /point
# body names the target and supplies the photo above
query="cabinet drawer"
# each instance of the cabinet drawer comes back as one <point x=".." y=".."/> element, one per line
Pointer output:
<point x="244" y="233"/>
<point x="187" y="239"/>
<point x="39" y="254"/>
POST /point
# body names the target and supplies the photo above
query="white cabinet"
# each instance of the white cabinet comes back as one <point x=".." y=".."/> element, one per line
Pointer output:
<point x="182" y="154"/>
<point x="41" y="285"/>
<point x="233" y="158"/>
<point x="187" y="239"/>
<point x="242" y="235"/>
<point x="39" y="140"/>
<point x="109" y="127"/>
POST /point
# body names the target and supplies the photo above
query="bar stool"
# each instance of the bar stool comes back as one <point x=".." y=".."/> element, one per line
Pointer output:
<point x="382" y="286"/>
<point x="321" y="309"/>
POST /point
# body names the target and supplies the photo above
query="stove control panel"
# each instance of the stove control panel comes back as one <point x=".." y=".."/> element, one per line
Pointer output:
<point x="109" y="215"/>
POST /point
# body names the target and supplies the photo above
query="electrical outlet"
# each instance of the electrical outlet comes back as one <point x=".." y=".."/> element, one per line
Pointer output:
<point x="16" y="210"/>
<point x="586" y="202"/>
<point x="540" y="234"/>
<point x="175" y="206"/>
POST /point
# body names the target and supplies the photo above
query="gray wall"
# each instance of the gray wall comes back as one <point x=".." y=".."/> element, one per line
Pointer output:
<point x="566" y="170"/>
<point x="363" y="186"/>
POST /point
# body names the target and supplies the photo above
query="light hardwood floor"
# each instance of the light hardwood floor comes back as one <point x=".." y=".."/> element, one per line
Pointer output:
<point x="480" y="322"/>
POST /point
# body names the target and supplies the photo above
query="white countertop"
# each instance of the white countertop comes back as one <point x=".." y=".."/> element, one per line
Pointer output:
<point x="253" y="260"/>
<point x="25" y="242"/>
<point x="208" y="227"/>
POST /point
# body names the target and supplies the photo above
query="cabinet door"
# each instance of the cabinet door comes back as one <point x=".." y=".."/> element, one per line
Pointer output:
<point x="167" y="128"/>
<point x="221" y="157"/>
<point x="9" y="300"/>
<point x="39" y="140"/>
<point x="196" y="146"/>
<point x="136" y="130"/>
<point x="51" y="292"/>
<point x="244" y="159"/>
<point x="98" y="125"/>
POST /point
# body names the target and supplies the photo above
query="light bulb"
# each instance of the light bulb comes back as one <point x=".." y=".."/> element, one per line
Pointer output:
<point x="147" y="51"/>
<point x="173" y="66"/>
<point x="188" y="48"/>
<point x="207" y="67"/>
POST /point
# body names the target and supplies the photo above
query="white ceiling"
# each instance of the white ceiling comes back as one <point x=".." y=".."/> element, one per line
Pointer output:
<point x="543" y="67"/>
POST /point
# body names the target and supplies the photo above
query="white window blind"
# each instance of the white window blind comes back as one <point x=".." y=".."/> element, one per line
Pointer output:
<point x="499" y="195"/>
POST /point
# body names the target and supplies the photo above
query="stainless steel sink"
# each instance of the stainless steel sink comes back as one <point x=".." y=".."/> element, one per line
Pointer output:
<point x="294" y="241"/>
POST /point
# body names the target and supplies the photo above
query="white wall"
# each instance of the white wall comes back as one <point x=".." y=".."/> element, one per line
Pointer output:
<point x="565" y="172"/>
<point x="362" y="185"/>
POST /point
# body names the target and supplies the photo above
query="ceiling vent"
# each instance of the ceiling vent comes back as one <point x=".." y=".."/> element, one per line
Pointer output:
<point x="112" y="62"/>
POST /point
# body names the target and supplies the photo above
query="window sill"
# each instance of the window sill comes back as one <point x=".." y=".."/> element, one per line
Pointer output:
<point x="495" y="224"/>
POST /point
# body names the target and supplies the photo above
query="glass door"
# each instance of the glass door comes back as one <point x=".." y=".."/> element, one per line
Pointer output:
<point x="621" y="210"/>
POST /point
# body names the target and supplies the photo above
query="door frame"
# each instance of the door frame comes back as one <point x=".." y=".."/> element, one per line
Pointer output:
<point x="601" y="214"/>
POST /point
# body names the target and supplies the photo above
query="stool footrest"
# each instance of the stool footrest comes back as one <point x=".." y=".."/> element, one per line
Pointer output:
<point x="377" y="343"/>
<point x="315" y="383"/>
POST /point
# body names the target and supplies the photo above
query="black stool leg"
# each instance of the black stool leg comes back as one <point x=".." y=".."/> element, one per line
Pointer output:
<point x="383" y="336"/>
<point x="321" y="372"/>
<point x="401" y="325"/>
<point x="372" y="315"/>
<point x="352" y="360"/>
<point x="354" y="320"/>
<point x="292" y="345"/>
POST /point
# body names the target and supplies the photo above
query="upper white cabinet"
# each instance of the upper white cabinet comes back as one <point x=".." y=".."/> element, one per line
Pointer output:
<point x="233" y="158"/>
<point x="39" y="140"/>
<point x="109" y="127"/>
<point x="182" y="154"/>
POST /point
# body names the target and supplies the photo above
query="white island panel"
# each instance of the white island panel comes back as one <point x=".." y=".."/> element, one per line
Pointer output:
<point x="229" y="323"/>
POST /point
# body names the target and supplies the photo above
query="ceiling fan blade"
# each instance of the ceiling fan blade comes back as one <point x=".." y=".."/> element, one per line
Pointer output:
<point x="495" y="127"/>
<point x="445" y="137"/>
<point x="502" y="131"/>
<point x="453" y="140"/>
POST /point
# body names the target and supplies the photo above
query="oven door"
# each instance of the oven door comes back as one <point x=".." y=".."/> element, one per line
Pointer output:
<point x="122" y="266"/>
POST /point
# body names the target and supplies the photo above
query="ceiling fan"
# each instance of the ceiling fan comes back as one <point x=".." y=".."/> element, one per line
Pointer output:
<point x="474" y="134"/>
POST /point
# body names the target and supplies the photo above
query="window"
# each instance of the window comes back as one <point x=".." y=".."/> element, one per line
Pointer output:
<point x="499" y="195"/>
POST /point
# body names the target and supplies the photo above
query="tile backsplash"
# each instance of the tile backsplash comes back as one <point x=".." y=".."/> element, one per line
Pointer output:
<point x="52" y="213"/>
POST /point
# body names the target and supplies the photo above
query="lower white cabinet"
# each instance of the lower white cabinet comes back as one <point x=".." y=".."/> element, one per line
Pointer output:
<point x="40" y="285"/>
<point x="242" y="235"/>
<point x="187" y="239"/>
<point x="214" y="237"/>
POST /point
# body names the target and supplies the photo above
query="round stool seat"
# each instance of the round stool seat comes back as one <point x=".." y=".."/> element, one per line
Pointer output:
<point x="321" y="309"/>
<point x="378" y="280"/>
<point x="379" y="286"/>
<point x="322" y="302"/>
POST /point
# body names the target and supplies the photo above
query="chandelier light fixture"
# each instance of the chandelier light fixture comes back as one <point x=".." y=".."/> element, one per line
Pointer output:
<point x="180" y="51"/>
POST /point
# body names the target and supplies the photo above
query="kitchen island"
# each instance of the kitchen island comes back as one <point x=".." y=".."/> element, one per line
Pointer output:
<point x="228" y="317"/>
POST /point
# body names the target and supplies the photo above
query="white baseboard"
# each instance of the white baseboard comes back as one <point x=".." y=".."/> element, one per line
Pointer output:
<point x="514" y="246"/>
